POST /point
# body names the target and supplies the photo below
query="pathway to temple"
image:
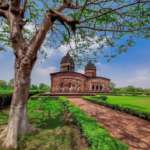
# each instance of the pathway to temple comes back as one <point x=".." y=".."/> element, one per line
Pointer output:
<point x="130" y="129"/>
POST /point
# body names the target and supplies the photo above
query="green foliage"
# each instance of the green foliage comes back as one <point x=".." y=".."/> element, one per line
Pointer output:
<point x="60" y="138"/>
<point x="109" y="21"/>
<point x="97" y="136"/>
<point x="6" y="96"/>
<point x="3" y="84"/>
<point x="5" y="99"/>
<point x="47" y="114"/>
<point x="6" y="86"/>
<point x="34" y="87"/>
<point x="3" y="117"/>
<point x="103" y="98"/>
<point x="130" y="91"/>
<point x="135" y="105"/>
<point x="43" y="86"/>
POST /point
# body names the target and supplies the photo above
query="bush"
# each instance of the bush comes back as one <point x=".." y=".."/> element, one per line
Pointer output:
<point x="5" y="100"/>
<point x="103" y="98"/>
<point x="6" y="96"/>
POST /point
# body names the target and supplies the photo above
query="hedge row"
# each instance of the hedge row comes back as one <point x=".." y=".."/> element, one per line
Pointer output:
<point x="97" y="137"/>
<point x="134" y="112"/>
<point x="126" y="94"/>
<point x="5" y="98"/>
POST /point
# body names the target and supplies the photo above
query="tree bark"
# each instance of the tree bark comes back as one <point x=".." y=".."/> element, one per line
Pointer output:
<point x="18" y="123"/>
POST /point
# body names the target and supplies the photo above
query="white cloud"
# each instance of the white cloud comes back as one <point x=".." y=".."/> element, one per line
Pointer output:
<point x="93" y="45"/>
<point x="81" y="70"/>
<point x="45" y="71"/>
<point x="30" y="27"/>
<point x="139" y="77"/>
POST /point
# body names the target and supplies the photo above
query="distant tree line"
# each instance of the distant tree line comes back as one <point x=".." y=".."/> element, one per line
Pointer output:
<point x="4" y="85"/>
<point x="41" y="86"/>
<point x="129" y="90"/>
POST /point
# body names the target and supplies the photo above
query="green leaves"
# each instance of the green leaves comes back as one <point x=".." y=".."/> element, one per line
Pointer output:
<point x="114" y="20"/>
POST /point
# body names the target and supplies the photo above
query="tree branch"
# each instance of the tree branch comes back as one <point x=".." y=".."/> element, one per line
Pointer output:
<point x="3" y="9"/>
<point x="2" y="13"/>
<point x="68" y="4"/>
<point x="84" y="6"/>
<point x="110" y="11"/>
<point x="15" y="7"/>
<point x="112" y="30"/>
<point x="15" y="3"/>
<point x="50" y="17"/>
<point x="24" y="7"/>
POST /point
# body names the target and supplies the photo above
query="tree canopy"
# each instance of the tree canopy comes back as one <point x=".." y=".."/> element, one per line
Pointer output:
<point x="87" y="25"/>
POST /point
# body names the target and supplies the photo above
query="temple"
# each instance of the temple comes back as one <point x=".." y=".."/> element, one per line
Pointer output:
<point x="69" y="82"/>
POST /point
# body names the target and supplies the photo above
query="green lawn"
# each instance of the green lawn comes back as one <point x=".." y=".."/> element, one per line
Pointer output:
<point x="140" y="103"/>
<point x="134" y="105"/>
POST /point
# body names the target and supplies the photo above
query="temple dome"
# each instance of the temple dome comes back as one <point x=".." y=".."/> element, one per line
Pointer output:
<point x="90" y="66"/>
<point x="67" y="63"/>
<point x="67" y="59"/>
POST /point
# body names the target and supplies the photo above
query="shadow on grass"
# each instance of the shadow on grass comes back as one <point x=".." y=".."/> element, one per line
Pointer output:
<point x="51" y="122"/>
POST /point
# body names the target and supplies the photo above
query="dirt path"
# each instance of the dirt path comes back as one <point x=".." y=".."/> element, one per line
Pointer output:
<point x="132" y="130"/>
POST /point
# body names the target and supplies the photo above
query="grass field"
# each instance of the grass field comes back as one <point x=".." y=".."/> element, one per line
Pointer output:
<point x="59" y="127"/>
<point x="140" y="103"/>
<point x="134" y="105"/>
<point x="46" y="115"/>
<point x="6" y="91"/>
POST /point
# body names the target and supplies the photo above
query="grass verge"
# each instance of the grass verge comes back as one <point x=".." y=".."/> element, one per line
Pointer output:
<point x="128" y="104"/>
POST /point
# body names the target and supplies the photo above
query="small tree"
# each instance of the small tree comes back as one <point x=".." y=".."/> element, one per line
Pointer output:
<point x="3" y="84"/>
<point x="112" y="86"/>
<point x="34" y="87"/>
<point x="11" y="83"/>
<point x="87" y="22"/>
<point x="43" y="86"/>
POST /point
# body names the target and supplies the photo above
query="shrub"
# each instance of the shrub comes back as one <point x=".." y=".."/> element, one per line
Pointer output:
<point x="5" y="99"/>
<point x="6" y="96"/>
<point x="103" y="98"/>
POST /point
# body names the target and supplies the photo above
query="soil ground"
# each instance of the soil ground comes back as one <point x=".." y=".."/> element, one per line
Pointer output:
<point x="130" y="129"/>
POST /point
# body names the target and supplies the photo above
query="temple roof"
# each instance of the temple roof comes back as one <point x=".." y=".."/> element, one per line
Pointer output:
<point x="90" y="66"/>
<point x="78" y="74"/>
<point x="67" y="59"/>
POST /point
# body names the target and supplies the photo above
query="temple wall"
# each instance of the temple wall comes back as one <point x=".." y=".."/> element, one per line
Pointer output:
<point x="98" y="85"/>
<point x="68" y="84"/>
<point x="72" y="82"/>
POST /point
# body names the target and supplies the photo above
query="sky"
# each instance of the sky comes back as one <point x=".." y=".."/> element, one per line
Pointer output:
<point x="130" y="68"/>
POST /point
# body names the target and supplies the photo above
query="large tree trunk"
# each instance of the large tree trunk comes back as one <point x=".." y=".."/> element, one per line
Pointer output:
<point x="18" y="124"/>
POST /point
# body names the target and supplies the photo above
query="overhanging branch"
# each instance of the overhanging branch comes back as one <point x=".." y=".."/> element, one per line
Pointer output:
<point x="112" y="10"/>
<point x="68" y="4"/>
<point x="113" y="30"/>
<point x="50" y="17"/>
<point x="2" y="13"/>
<point x="24" y="7"/>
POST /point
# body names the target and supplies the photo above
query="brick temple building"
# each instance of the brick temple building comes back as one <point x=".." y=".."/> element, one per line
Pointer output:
<point x="69" y="82"/>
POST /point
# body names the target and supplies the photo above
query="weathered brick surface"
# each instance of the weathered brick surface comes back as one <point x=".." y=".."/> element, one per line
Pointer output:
<point x="69" y="82"/>
<point x="72" y="82"/>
